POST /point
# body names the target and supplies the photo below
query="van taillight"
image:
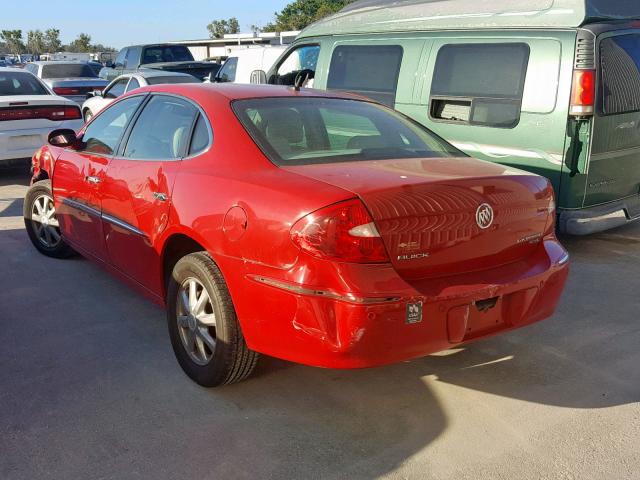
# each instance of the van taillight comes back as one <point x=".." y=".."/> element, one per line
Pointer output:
<point x="583" y="93"/>
<point x="344" y="232"/>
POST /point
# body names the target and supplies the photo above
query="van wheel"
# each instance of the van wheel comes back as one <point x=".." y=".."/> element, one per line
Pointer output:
<point x="204" y="331"/>
<point x="41" y="222"/>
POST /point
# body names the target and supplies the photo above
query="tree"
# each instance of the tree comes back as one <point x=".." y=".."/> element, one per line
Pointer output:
<point x="300" y="13"/>
<point x="219" y="28"/>
<point x="35" y="42"/>
<point x="52" y="43"/>
<point x="13" y="40"/>
<point x="81" y="44"/>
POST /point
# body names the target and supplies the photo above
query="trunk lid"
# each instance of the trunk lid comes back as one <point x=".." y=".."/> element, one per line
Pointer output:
<point x="432" y="213"/>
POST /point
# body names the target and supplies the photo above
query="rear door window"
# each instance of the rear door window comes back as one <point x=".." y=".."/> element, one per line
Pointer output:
<point x="369" y="70"/>
<point x="479" y="84"/>
<point x="133" y="56"/>
<point x="620" y="74"/>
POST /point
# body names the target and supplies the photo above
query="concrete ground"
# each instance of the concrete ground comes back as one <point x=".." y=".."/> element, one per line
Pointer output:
<point x="89" y="388"/>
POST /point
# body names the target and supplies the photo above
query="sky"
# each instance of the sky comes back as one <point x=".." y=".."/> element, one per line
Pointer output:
<point x="118" y="23"/>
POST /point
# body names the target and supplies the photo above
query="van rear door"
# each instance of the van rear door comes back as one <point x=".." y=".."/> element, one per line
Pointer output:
<point x="614" y="164"/>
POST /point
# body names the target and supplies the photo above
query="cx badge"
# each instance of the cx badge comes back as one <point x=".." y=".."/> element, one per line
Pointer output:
<point x="484" y="216"/>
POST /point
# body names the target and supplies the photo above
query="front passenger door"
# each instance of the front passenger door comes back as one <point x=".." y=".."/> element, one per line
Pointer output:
<point x="78" y="176"/>
<point x="139" y="183"/>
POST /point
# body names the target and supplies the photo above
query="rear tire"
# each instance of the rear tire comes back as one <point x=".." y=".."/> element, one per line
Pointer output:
<point x="204" y="330"/>
<point x="41" y="222"/>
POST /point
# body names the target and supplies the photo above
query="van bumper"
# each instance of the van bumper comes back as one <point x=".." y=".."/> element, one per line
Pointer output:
<point x="586" y="221"/>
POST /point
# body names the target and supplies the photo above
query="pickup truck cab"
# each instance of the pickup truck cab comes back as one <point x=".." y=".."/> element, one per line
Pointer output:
<point x="168" y="57"/>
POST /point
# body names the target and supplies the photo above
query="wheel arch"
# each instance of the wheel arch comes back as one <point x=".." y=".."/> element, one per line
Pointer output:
<point x="176" y="246"/>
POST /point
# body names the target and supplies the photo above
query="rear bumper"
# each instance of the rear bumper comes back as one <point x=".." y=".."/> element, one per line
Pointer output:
<point x="309" y="325"/>
<point x="600" y="218"/>
<point x="23" y="143"/>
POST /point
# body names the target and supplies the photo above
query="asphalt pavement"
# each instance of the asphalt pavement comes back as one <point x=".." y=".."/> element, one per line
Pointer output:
<point x="89" y="387"/>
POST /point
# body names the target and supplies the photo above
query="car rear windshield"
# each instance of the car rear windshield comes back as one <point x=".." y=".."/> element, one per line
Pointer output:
<point x="303" y="131"/>
<point x="20" y="83"/>
<point x="176" y="79"/>
<point x="68" y="70"/>
<point x="171" y="53"/>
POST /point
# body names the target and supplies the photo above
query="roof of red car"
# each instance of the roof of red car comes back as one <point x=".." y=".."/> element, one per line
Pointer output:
<point x="234" y="91"/>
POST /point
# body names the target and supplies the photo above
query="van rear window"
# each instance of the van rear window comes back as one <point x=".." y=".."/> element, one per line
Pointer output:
<point x="369" y="70"/>
<point x="480" y="84"/>
<point x="620" y="73"/>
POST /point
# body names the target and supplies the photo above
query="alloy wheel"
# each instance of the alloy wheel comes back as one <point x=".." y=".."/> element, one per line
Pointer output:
<point x="196" y="321"/>
<point x="45" y="223"/>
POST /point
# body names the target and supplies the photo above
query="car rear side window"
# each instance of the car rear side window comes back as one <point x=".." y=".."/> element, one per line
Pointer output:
<point x="162" y="130"/>
<point x="200" y="137"/>
<point x="370" y="70"/>
<point x="20" y="83"/>
<point x="620" y="74"/>
<point x="104" y="132"/>
<point x="302" y="131"/>
<point x="479" y="84"/>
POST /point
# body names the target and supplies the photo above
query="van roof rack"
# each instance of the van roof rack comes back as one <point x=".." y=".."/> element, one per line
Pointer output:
<point x="379" y="16"/>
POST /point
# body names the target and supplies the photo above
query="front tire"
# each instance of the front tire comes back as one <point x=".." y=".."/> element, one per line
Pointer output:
<point x="204" y="330"/>
<point x="41" y="222"/>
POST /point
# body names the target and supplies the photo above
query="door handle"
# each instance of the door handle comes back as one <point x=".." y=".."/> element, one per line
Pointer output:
<point x="92" y="179"/>
<point x="160" y="196"/>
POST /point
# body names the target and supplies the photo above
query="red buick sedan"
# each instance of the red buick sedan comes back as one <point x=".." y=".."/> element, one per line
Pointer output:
<point x="315" y="227"/>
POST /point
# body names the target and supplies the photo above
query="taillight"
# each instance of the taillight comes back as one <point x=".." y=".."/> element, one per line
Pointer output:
<point x="344" y="232"/>
<point x="74" y="90"/>
<point x="583" y="93"/>
<point x="550" y="227"/>
<point x="54" y="113"/>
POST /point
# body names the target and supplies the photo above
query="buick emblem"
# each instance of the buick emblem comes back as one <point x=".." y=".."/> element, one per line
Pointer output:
<point x="484" y="216"/>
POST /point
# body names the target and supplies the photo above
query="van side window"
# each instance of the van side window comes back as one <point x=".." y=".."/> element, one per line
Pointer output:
<point x="301" y="61"/>
<point x="620" y="72"/>
<point x="370" y="70"/>
<point x="479" y="84"/>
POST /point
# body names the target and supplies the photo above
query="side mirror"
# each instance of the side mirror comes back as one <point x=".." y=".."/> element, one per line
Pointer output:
<point x="94" y="93"/>
<point x="258" y="77"/>
<point x="63" y="137"/>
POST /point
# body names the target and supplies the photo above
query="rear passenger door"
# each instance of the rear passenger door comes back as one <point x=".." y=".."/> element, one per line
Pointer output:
<point x="139" y="182"/>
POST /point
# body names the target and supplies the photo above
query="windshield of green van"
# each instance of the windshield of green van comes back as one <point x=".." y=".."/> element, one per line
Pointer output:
<point x="303" y="131"/>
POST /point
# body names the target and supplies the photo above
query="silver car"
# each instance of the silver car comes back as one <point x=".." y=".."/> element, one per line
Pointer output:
<point x="72" y="80"/>
<point x="97" y="100"/>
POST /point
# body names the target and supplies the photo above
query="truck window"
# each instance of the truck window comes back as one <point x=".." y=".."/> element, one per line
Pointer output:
<point x="620" y="73"/>
<point x="300" y="61"/>
<point x="479" y="84"/>
<point x="228" y="71"/>
<point x="166" y="53"/>
<point x="121" y="57"/>
<point x="133" y="56"/>
<point x="370" y="70"/>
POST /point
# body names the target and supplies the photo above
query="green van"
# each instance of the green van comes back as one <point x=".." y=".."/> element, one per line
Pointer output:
<point x="549" y="86"/>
